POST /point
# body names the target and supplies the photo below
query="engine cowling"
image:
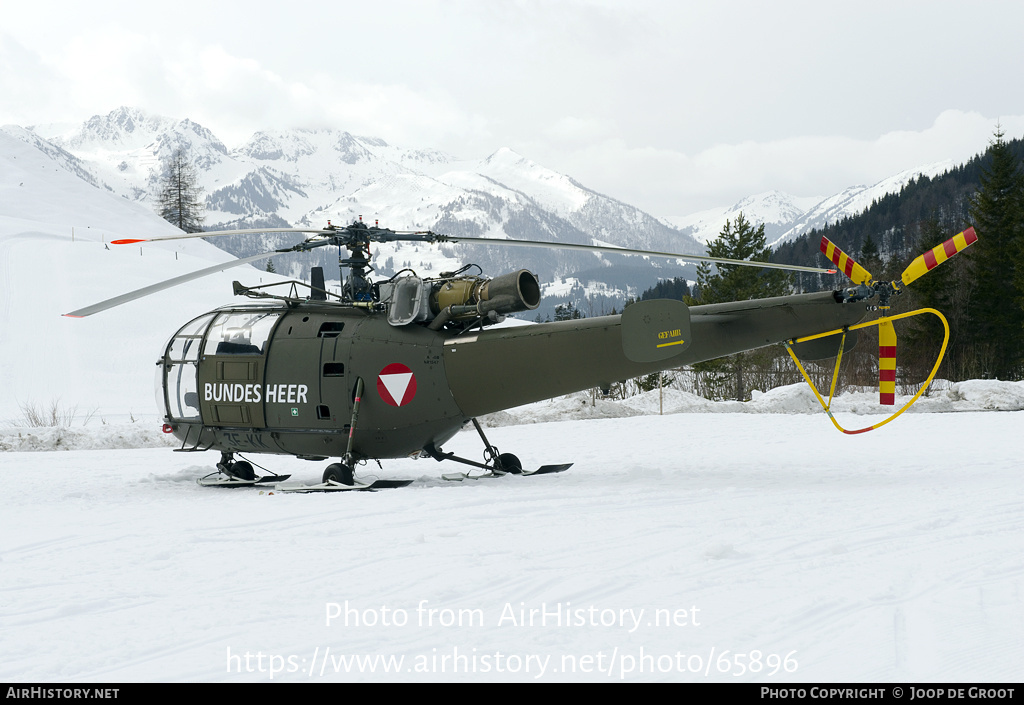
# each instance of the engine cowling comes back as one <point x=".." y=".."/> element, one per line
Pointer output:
<point x="473" y="296"/>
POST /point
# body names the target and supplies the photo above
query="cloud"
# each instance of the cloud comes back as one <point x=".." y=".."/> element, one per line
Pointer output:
<point x="668" y="182"/>
<point x="28" y="85"/>
<point x="580" y="130"/>
<point x="232" y="94"/>
<point x="675" y="107"/>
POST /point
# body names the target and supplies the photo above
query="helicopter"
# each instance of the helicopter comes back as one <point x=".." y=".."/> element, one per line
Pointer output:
<point x="395" y="368"/>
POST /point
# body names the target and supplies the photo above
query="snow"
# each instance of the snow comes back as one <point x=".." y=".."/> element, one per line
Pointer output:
<point x="556" y="192"/>
<point x="54" y="258"/>
<point x="773" y="208"/>
<point x="853" y="201"/>
<point x="893" y="556"/>
<point x="718" y="542"/>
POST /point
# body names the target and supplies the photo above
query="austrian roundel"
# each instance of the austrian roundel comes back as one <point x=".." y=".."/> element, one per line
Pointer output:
<point x="396" y="384"/>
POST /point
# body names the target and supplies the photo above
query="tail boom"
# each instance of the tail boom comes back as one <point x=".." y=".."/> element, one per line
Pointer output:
<point x="501" y="368"/>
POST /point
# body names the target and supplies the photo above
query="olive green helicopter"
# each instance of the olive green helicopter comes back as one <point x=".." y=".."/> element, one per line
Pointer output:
<point x="395" y="368"/>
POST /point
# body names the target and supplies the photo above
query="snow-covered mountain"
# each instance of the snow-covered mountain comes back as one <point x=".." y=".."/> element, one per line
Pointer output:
<point x="777" y="210"/>
<point x="305" y="177"/>
<point x="787" y="217"/>
<point x="852" y="201"/>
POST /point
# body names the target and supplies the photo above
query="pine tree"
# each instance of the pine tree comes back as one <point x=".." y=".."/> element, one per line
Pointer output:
<point x="870" y="258"/>
<point x="567" y="312"/>
<point x="179" y="200"/>
<point x="997" y="300"/>
<point x="731" y="282"/>
<point x="741" y="241"/>
<point x="677" y="288"/>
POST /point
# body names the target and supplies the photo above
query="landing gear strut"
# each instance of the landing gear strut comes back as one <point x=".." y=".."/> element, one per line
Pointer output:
<point x="501" y="463"/>
<point x="342" y="472"/>
<point x="494" y="462"/>
<point x="241" y="470"/>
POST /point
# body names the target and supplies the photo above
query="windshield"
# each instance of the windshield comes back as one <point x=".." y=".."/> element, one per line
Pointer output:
<point x="241" y="333"/>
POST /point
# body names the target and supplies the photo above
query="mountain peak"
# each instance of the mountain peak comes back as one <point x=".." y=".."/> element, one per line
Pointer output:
<point x="853" y="200"/>
<point x="506" y="156"/>
<point x="775" y="209"/>
<point x="127" y="128"/>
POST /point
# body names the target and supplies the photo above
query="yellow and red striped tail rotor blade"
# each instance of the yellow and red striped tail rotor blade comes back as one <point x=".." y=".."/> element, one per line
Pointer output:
<point x="937" y="255"/>
<point x="886" y="363"/>
<point x="854" y="271"/>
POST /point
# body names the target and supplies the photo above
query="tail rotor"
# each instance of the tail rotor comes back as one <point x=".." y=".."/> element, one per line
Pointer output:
<point x="867" y="287"/>
<point x="937" y="255"/>
<point x="845" y="263"/>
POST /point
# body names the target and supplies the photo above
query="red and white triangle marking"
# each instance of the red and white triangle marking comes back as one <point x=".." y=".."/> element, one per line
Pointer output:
<point x="396" y="384"/>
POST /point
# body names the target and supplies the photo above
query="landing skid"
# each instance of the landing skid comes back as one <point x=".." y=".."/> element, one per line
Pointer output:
<point x="219" y="479"/>
<point x="332" y="486"/>
<point x="495" y="464"/>
<point x="232" y="473"/>
<point x="339" y="477"/>
<point x="542" y="470"/>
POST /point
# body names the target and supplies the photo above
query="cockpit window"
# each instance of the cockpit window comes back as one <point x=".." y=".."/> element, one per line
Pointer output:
<point x="185" y="344"/>
<point x="240" y="333"/>
<point x="178" y="375"/>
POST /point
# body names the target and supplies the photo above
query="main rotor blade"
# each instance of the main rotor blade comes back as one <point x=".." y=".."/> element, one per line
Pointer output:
<point x="385" y="235"/>
<point x="627" y="251"/>
<point x="160" y="286"/>
<point x="215" y="233"/>
<point x="939" y="254"/>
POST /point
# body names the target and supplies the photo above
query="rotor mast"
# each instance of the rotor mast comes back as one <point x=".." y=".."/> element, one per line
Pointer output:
<point x="356" y="287"/>
<point x="356" y="238"/>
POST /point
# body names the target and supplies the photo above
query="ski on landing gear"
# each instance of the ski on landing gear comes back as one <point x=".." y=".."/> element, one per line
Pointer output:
<point x="236" y="474"/>
<point x="542" y="470"/>
<point x="340" y="477"/>
<point x="334" y="486"/>
<point x="495" y="464"/>
<point x="220" y="480"/>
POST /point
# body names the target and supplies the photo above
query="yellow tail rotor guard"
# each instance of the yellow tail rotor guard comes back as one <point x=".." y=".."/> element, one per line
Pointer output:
<point x="835" y="375"/>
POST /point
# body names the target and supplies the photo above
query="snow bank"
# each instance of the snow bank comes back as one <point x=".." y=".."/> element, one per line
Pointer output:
<point x="96" y="437"/>
<point x="989" y="395"/>
<point x="945" y="397"/>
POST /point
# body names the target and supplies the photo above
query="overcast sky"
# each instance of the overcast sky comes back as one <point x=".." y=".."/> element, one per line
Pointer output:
<point x="671" y="106"/>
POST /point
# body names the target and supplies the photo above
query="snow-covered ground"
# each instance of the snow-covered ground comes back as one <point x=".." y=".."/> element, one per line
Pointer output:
<point x="693" y="546"/>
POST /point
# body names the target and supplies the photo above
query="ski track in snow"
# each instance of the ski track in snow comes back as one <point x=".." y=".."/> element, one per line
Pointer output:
<point x="892" y="556"/>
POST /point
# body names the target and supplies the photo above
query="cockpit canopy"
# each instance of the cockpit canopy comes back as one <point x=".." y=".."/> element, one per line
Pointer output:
<point x="229" y="332"/>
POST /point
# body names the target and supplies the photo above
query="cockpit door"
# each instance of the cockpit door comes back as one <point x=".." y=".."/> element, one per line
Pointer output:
<point x="231" y="370"/>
